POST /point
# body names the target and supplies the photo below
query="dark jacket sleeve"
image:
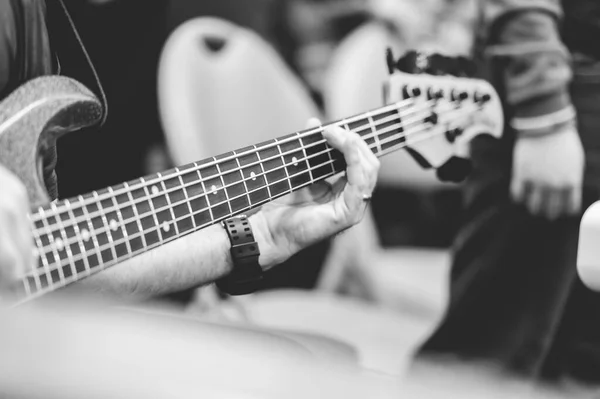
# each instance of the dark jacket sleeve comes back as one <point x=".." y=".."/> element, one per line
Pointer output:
<point x="25" y="54"/>
<point x="523" y="37"/>
<point x="8" y="46"/>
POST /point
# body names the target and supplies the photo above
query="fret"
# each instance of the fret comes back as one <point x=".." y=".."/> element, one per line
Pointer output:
<point x="180" y="210"/>
<point x="57" y="274"/>
<point x="295" y="160"/>
<point x="83" y="229"/>
<point x="27" y="284"/>
<point x="373" y="131"/>
<point x="247" y="203"/>
<point x="216" y="195"/>
<point x="318" y="160"/>
<point x="275" y="172"/>
<point x="94" y="222"/>
<point x="166" y="220"/>
<point x="254" y="178"/>
<point x="133" y="228"/>
<point x="224" y="187"/>
<point x="68" y="270"/>
<point x="102" y="232"/>
<point x="118" y="234"/>
<point x="45" y="278"/>
<point x="233" y="180"/>
<point x="187" y="200"/>
<point x="42" y="261"/>
<point x="199" y="203"/>
<point x="150" y="221"/>
<point x="394" y="127"/>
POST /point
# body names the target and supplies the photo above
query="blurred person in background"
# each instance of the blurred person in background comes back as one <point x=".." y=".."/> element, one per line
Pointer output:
<point x="516" y="300"/>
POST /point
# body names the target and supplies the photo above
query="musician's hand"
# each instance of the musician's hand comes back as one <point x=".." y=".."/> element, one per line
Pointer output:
<point x="547" y="173"/>
<point x="16" y="246"/>
<point x="284" y="227"/>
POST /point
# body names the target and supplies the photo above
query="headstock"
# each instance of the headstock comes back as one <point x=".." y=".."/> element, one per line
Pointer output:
<point x="456" y="108"/>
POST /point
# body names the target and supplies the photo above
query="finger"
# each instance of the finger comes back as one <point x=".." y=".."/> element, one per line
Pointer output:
<point x="348" y="144"/>
<point x="318" y="192"/>
<point x="574" y="201"/>
<point x="555" y="204"/>
<point x="517" y="190"/>
<point x="312" y="123"/>
<point x="534" y="200"/>
<point x="368" y="152"/>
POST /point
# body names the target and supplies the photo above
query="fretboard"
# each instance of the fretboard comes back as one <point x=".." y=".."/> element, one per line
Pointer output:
<point x="80" y="236"/>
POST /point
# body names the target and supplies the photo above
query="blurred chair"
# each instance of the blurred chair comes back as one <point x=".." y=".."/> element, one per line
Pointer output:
<point x="222" y="87"/>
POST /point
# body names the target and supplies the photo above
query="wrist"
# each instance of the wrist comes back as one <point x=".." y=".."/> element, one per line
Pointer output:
<point x="247" y="275"/>
<point x="262" y="235"/>
<point x="551" y="123"/>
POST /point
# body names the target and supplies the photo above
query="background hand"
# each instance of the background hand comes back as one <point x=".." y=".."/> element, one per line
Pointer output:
<point x="547" y="173"/>
<point x="16" y="245"/>
<point x="284" y="227"/>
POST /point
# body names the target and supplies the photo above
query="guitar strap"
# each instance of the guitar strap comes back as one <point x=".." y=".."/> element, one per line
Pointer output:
<point x="65" y="39"/>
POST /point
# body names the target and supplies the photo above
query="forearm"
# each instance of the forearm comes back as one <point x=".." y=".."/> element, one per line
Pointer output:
<point x="193" y="260"/>
<point x="535" y="66"/>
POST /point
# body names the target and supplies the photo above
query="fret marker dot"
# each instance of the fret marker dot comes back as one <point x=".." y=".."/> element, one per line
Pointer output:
<point x="113" y="225"/>
<point x="166" y="227"/>
<point x="59" y="244"/>
<point x="253" y="175"/>
<point x="214" y="189"/>
<point x="295" y="161"/>
<point x="85" y="235"/>
<point x="154" y="190"/>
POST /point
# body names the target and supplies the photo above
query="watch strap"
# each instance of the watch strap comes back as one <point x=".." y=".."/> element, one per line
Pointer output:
<point x="247" y="275"/>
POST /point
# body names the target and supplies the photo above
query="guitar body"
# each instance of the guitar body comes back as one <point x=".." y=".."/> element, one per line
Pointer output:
<point x="33" y="117"/>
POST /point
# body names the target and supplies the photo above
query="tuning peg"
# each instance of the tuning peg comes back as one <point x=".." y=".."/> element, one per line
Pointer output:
<point x="389" y="58"/>
<point x="455" y="170"/>
<point x="452" y="134"/>
<point x="482" y="98"/>
<point x="458" y="96"/>
<point x="434" y="94"/>
<point x="410" y="92"/>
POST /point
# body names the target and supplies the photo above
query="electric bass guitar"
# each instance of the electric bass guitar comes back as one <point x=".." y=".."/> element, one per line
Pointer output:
<point x="431" y="113"/>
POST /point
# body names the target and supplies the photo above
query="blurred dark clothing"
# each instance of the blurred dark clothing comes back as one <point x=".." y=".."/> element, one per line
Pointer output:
<point x="253" y="14"/>
<point x="581" y="26"/>
<point x="516" y="299"/>
<point x="24" y="46"/>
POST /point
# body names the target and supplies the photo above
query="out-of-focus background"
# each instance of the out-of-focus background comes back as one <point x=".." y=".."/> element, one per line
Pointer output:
<point x="182" y="87"/>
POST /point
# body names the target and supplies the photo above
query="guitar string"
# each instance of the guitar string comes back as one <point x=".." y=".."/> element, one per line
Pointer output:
<point x="59" y="225"/>
<point x="46" y="231"/>
<point x="64" y="282"/>
<point x="378" y="112"/>
<point x="56" y="209"/>
<point x="116" y="209"/>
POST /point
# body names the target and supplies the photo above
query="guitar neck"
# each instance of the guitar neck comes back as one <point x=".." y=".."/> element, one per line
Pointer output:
<point x="78" y="237"/>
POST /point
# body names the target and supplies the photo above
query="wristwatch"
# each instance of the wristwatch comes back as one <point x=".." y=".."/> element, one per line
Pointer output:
<point x="247" y="275"/>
